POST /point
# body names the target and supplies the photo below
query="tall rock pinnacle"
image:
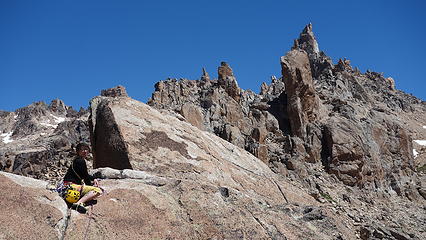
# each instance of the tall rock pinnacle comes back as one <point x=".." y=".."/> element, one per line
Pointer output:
<point x="303" y="102"/>
<point x="205" y="76"/>
<point x="307" y="41"/>
<point x="228" y="81"/>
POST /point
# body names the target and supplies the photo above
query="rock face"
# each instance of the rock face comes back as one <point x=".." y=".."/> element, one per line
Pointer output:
<point x="29" y="210"/>
<point x="302" y="101"/>
<point x="38" y="140"/>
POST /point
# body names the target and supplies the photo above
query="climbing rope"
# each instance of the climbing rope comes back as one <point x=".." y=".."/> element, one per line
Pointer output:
<point x="88" y="223"/>
<point x="91" y="215"/>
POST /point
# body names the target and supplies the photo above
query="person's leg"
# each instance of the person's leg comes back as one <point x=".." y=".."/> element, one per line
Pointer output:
<point x="88" y="196"/>
<point x="89" y="193"/>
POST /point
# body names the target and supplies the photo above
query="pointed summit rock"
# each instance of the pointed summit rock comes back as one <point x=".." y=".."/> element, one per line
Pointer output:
<point x="307" y="41"/>
<point x="224" y="71"/>
<point x="205" y="76"/>
<point x="58" y="106"/>
<point x="318" y="60"/>
<point x="228" y="81"/>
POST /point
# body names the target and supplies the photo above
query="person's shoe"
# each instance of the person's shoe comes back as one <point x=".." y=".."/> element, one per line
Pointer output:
<point x="91" y="202"/>
<point x="79" y="208"/>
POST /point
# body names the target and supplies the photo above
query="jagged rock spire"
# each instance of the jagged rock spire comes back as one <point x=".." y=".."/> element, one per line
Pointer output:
<point x="227" y="80"/>
<point x="344" y="64"/>
<point x="307" y="41"/>
<point x="224" y="71"/>
<point x="205" y="76"/>
<point x="58" y="105"/>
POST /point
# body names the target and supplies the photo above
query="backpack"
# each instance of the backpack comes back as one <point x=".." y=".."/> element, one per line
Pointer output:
<point x="68" y="193"/>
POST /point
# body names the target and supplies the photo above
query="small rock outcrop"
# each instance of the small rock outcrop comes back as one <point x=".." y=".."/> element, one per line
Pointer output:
<point x="118" y="91"/>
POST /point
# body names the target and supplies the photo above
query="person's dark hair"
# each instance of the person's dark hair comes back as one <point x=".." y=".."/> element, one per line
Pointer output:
<point x="81" y="146"/>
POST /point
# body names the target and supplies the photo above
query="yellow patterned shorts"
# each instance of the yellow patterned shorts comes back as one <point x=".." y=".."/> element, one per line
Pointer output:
<point x="86" y="189"/>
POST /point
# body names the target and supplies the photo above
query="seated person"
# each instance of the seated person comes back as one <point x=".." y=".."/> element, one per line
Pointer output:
<point x="79" y="179"/>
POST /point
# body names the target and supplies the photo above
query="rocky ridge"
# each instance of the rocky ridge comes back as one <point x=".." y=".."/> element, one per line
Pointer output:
<point x="351" y="123"/>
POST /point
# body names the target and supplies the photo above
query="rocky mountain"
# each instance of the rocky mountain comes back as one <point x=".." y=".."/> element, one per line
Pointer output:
<point x="332" y="153"/>
<point x="37" y="140"/>
<point x="353" y="125"/>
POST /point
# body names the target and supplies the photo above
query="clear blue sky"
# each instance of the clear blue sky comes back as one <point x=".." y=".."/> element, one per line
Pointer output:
<point x="71" y="49"/>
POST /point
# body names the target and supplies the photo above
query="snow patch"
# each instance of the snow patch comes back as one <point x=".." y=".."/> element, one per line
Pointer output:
<point x="6" y="137"/>
<point x="424" y="127"/>
<point x="48" y="124"/>
<point x="58" y="119"/>
<point x="420" y="142"/>
<point x="415" y="153"/>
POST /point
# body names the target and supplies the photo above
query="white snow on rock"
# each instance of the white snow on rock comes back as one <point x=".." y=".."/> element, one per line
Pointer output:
<point x="6" y="137"/>
<point x="415" y="153"/>
<point x="58" y="119"/>
<point x="424" y="127"/>
<point x="420" y="142"/>
<point x="49" y="125"/>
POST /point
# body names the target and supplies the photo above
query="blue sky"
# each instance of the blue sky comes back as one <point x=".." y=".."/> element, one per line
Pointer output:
<point x="72" y="49"/>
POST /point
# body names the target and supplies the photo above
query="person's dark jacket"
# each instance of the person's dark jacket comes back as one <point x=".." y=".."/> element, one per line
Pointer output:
<point x="77" y="172"/>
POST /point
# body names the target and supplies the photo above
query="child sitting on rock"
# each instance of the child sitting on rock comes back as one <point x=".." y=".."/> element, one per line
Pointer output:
<point x="79" y="181"/>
